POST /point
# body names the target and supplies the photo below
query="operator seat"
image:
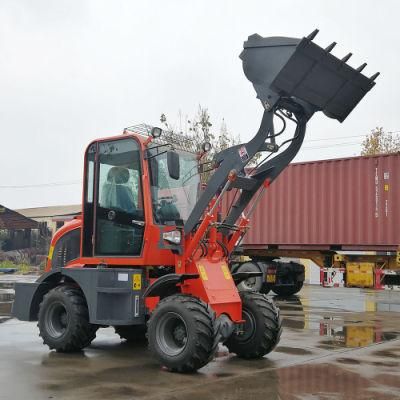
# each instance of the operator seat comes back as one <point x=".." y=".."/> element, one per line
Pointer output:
<point x="116" y="194"/>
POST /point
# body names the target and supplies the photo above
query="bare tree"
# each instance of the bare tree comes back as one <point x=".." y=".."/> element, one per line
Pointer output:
<point x="200" y="129"/>
<point x="380" y="142"/>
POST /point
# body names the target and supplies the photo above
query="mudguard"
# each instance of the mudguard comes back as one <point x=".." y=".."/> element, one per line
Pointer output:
<point x="163" y="285"/>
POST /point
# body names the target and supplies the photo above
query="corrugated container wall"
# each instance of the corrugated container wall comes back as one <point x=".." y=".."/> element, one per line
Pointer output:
<point x="349" y="202"/>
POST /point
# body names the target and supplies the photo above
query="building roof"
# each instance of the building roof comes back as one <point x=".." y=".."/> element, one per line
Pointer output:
<point x="13" y="220"/>
<point x="51" y="211"/>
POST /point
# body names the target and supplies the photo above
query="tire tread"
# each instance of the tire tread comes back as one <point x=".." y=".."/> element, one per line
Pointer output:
<point x="205" y="330"/>
<point x="83" y="332"/>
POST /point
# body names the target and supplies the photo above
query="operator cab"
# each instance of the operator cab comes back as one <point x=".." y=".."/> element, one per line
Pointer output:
<point x="115" y="193"/>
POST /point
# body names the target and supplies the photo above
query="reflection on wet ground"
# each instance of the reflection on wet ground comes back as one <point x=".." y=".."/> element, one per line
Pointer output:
<point x="337" y="343"/>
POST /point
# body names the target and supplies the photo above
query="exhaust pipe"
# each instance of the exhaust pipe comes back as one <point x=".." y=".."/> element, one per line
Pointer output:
<point x="298" y="70"/>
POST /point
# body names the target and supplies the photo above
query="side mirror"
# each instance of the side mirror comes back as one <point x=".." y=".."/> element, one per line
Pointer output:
<point x="173" y="164"/>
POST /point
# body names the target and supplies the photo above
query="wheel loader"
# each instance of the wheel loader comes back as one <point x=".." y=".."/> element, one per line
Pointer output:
<point x="150" y="254"/>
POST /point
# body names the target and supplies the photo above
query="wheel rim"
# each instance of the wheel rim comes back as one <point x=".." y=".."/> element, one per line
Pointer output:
<point x="249" y="327"/>
<point x="171" y="334"/>
<point x="56" y="319"/>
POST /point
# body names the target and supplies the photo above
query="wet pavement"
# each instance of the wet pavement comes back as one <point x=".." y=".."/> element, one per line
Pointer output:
<point x="337" y="343"/>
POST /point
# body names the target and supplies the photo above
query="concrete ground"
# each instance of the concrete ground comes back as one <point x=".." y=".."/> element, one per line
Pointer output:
<point x="337" y="343"/>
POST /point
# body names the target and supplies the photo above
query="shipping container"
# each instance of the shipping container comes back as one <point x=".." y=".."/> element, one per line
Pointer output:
<point x="342" y="204"/>
<point x="337" y="213"/>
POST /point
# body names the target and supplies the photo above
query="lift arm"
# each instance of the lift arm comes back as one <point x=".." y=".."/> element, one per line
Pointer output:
<point x="295" y="76"/>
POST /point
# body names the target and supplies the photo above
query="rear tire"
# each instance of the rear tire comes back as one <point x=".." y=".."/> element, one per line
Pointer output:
<point x="131" y="333"/>
<point x="64" y="320"/>
<point x="262" y="329"/>
<point x="288" y="290"/>
<point x="181" y="333"/>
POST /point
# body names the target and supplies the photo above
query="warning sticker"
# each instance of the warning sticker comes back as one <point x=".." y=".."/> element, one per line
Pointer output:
<point x="137" y="281"/>
<point x="203" y="273"/>
<point x="225" y="271"/>
<point x="51" y="251"/>
<point x="244" y="156"/>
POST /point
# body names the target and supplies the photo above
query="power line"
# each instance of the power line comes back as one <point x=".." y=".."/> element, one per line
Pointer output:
<point x="331" y="145"/>
<point x="333" y="138"/>
<point x="344" y="137"/>
<point x="69" y="183"/>
<point x="52" y="184"/>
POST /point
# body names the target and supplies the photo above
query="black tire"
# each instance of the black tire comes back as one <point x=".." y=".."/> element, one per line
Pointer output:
<point x="288" y="290"/>
<point x="64" y="320"/>
<point x="262" y="329"/>
<point x="131" y="333"/>
<point x="181" y="333"/>
<point x="255" y="283"/>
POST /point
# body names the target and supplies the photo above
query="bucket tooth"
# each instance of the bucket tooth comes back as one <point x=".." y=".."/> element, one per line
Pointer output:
<point x="347" y="57"/>
<point x="374" y="76"/>
<point x="361" y="67"/>
<point x="330" y="47"/>
<point x="255" y="36"/>
<point x="312" y="35"/>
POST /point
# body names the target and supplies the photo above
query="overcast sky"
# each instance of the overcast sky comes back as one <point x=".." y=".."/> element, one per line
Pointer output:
<point x="72" y="71"/>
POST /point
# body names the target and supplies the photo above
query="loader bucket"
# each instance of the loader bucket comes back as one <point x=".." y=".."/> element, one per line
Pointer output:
<point x="281" y="67"/>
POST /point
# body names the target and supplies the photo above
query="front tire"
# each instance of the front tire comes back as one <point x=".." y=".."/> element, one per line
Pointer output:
<point x="262" y="328"/>
<point x="64" y="320"/>
<point x="181" y="333"/>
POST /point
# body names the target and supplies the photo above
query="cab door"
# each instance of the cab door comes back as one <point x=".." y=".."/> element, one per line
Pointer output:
<point x="114" y="211"/>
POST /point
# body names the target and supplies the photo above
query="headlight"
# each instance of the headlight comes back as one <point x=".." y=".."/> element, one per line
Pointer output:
<point x="173" y="237"/>
<point x="156" y="132"/>
<point x="206" y="146"/>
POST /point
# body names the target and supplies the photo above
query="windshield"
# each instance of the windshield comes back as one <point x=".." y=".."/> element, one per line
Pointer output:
<point x="174" y="199"/>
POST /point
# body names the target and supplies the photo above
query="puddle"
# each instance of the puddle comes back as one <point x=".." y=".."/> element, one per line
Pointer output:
<point x="349" y="361"/>
<point x="342" y="327"/>
<point x="353" y="335"/>
<point x="292" y="303"/>
<point x="293" y="323"/>
<point x="388" y="364"/>
<point x="385" y="353"/>
<point x="293" y="350"/>
<point x="220" y="375"/>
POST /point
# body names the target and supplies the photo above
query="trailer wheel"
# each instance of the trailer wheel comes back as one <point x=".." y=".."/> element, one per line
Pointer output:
<point x="254" y="283"/>
<point x="181" y="333"/>
<point x="131" y="333"/>
<point x="262" y="328"/>
<point x="288" y="290"/>
<point x="64" y="320"/>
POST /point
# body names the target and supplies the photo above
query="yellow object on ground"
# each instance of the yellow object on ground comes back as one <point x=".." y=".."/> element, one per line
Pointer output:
<point x="360" y="274"/>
